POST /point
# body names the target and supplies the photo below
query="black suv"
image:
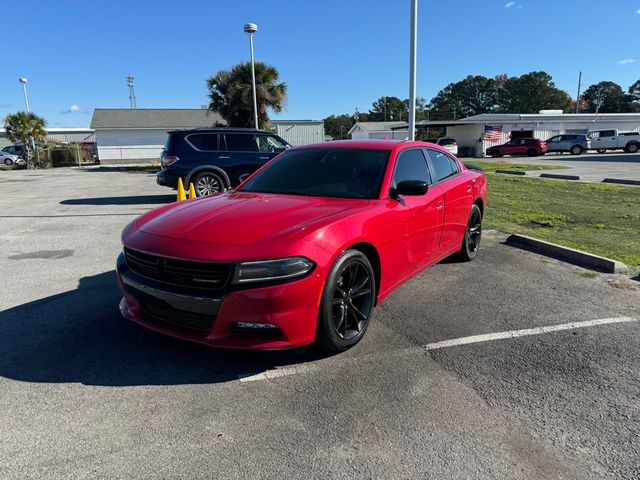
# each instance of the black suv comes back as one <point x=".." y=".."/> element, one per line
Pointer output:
<point x="215" y="159"/>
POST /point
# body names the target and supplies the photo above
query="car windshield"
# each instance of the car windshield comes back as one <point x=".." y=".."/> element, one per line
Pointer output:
<point x="323" y="172"/>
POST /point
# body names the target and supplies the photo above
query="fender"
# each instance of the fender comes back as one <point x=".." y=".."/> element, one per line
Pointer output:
<point x="211" y="168"/>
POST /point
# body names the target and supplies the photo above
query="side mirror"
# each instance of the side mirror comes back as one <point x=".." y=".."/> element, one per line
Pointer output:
<point x="409" y="187"/>
<point x="243" y="177"/>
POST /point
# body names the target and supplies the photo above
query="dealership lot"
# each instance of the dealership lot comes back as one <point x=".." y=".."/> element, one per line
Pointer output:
<point x="85" y="393"/>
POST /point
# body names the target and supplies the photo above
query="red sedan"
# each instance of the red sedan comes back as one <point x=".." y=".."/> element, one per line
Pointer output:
<point x="519" y="146"/>
<point x="303" y="250"/>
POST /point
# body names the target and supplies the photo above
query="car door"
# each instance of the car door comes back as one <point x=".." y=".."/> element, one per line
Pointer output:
<point x="269" y="146"/>
<point x="607" y="139"/>
<point x="457" y="190"/>
<point x="415" y="222"/>
<point x="241" y="154"/>
<point x="554" y="144"/>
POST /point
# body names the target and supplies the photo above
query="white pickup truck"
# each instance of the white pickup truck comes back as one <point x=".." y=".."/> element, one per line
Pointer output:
<point x="612" y="139"/>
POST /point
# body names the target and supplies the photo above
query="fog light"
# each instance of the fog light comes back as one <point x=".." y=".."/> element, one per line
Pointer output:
<point x="255" y="326"/>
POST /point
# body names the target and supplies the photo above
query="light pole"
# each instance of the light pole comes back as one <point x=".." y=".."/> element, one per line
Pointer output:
<point x="23" y="81"/>
<point x="413" y="60"/>
<point x="252" y="28"/>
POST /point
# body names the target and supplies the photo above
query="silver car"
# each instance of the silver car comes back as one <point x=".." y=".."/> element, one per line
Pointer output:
<point x="9" y="158"/>
<point x="575" y="144"/>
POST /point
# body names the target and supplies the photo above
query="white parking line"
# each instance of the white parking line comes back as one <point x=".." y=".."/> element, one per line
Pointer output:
<point x="307" y="368"/>
<point x="525" y="332"/>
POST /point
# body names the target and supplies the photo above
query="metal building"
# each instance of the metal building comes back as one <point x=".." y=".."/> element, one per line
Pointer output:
<point x="58" y="135"/>
<point x="300" y="132"/>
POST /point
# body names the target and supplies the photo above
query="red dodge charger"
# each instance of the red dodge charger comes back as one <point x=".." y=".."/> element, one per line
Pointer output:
<point x="304" y="249"/>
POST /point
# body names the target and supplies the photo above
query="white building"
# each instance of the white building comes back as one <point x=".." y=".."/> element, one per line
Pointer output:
<point x="125" y="135"/>
<point x="379" y="131"/>
<point x="299" y="132"/>
<point x="470" y="132"/>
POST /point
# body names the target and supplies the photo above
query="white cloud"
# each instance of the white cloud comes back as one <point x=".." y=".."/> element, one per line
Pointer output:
<point x="638" y="11"/>
<point x="75" y="109"/>
<point x="624" y="61"/>
<point x="509" y="4"/>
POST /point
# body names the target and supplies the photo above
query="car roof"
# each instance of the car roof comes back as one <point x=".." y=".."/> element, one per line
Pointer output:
<point x="373" y="144"/>
<point x="218" y="130"/>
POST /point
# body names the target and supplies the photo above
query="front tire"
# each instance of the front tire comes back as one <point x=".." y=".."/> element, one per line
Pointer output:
<point x="495" y="154"/>
<point x="601" y="150"/>
<point x="532" y="152"/>
<point x="472" y="236"/>
<point x="208" y="183"/>
<point x="8" y="161"/>
<point x="347" y="302"/>
<point x="576" y="150"/>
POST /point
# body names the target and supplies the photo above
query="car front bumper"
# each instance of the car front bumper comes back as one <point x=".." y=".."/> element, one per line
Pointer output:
<point x="212" y="319"/>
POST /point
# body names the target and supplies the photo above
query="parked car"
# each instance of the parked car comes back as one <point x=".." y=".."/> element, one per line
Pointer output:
<point x="613" y="139"/>
<point x="304" y="249"/>
<point x="519" y="146"/>
<point x="572" y="143"/>
<point x="17" y="150"/>
<point x="9" y="158"/>
<point x="446" y="142"/>
<point x="214" y="159"/>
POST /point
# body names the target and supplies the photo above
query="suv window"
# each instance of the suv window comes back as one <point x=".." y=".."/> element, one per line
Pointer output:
<point x="555" y="139"/>
<point x="411" y="165"/>
<point x="207" y="142"/>
<point x="241" y="142"/>
<point x="446" y="141"/>
<point x="441" y="165"/>
<point x="270" y="144"/>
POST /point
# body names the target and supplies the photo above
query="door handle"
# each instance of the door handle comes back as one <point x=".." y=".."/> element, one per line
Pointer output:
<point x="439" y="205"/>
<point x="469" y="189"/>
<point x="264" y="158"/>
<point x="223" y="157"/>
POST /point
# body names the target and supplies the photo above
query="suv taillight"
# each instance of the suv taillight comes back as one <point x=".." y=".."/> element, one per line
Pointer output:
<point x="169" y="160"/>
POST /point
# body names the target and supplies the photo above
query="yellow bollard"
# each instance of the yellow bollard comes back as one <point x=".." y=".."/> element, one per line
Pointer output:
<point x="192" y="191"/>
<point x="181" y="195"/>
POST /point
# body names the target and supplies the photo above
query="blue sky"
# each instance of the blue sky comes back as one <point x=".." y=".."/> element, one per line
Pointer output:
<point x="335" y="55"/>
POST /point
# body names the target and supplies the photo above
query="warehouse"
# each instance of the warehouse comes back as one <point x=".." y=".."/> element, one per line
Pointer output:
<point x="299" y="132"/>
<point x="58" y="135"/>
<point x="473" y="140"/>
<point x="379" y="131"/>
<point x="128" y="135"/>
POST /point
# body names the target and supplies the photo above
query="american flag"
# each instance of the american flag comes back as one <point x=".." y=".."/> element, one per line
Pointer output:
<point x="492" y="133"/>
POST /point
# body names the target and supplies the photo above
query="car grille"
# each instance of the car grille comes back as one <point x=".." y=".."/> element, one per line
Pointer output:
<point x="183" y="273"/>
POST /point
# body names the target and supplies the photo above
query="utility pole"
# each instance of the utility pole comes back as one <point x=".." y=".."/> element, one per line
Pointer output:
<point x="131" y="83"/>
<point x="578" y="96"/>
<point x="413" y="60"/>
<point x="252" y="28"/>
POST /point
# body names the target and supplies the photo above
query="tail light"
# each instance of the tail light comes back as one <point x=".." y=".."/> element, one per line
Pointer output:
<point x="167" y="160"/>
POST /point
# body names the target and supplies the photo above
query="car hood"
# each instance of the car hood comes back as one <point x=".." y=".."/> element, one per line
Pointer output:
<point x="243" y="218"/>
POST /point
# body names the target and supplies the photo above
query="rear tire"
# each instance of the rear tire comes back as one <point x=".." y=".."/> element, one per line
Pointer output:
<point x="208" y="183"/>
<point x="632" y="148"/>
<point x="472" y="236"/>
<point x="495" y="154"/>
<point x="576" y="150"/>
<point x="347" y="302"/>
<point x="532" y="152"/>
<point x="601" y="150"/>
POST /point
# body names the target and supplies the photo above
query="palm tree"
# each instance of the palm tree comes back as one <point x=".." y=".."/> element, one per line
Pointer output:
<point x="25" y="128"/>
<point x="231" y="94"/>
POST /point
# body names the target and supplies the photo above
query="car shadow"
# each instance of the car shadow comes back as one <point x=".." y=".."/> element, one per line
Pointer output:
<point x="602" y="158"/>
<point x="130" y="200"/>
<point x="79" y="336"/>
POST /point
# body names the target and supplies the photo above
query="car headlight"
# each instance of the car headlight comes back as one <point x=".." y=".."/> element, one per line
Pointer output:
<point x="272" y="270"/>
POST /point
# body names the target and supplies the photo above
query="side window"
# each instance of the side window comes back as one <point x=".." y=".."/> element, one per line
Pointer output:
<point x="207" y="142"/>
<point x="455" y="168"/>
<point x="608" y="133"/>
<point x="241" y="142"/>
<point x="441" y="165"/>
<point x="270" y="144"/>
<point x="554" y="139"/>
<point x="411" y="165"/>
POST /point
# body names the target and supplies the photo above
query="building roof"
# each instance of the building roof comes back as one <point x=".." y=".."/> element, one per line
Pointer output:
<point x="313" y="122"/>
<point x="484" y="118"/>
<point x="376" y="126"/>
<point x="154" y="118"/>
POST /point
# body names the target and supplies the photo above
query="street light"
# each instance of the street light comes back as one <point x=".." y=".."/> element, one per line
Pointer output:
<point x="23" y="81"/>
<point x="252" y="28"/>
<point x="413" y="58"/>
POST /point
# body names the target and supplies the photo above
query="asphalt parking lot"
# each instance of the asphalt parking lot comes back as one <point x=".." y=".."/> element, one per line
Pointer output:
<point x="84" y="393"/>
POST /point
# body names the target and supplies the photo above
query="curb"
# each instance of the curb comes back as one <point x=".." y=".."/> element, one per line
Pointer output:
<point x="621" y="181"/>
<point x="566" y="254"/>
<point x="512" y="172"/>
<point x="560" y="177"/>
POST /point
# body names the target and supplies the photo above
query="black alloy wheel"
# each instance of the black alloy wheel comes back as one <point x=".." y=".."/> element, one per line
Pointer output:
<point x="473" y="235"/>
<point x="347" y="302"/>
<point x="576" y="150"/>
<point x="208" y="183"/>
<point x="632" y="148"/>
